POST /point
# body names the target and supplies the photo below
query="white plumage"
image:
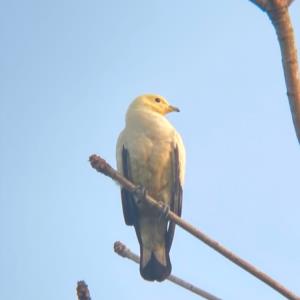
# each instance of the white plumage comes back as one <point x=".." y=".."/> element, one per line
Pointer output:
<point x="151" y="153"/>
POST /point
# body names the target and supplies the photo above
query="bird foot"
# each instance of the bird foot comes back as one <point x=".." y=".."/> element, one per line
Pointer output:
<point x="139" y="193"/>
<point x="165" y="209"/>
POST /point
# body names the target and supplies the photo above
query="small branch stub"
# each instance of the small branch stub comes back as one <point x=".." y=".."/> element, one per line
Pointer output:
<point x="100" y="164"/>
<point x="121" y="249"/>
<point x="83" y="292"/>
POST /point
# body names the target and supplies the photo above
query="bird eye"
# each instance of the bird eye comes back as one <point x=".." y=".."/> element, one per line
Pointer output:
<point x="157" y="100"/>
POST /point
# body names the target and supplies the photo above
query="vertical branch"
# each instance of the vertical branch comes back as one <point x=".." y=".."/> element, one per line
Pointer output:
<point x="281" y="20"/>
<point x="277" y="11"/>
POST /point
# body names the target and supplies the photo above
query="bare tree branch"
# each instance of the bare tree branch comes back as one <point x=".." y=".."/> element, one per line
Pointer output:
<point x="83" y="292"/>
<point x="103" y="167"/>
<point x="123" y="251"/>
<point x="277" y="11"/>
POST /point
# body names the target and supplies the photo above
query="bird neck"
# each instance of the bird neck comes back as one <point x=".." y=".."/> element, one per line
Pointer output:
<point x="145" y="119"/>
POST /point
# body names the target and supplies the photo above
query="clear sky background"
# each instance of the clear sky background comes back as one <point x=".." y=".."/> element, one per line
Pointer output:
<point x="68" y="71"/>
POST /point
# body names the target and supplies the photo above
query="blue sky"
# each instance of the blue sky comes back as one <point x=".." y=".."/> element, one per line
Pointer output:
<point x="69" y="69"/>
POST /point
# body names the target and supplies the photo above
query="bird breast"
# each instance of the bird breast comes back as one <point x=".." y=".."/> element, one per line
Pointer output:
<point x="149" y="143"/>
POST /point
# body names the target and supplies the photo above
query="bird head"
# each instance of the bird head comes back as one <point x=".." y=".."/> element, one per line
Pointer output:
<point x="154" y="103"/>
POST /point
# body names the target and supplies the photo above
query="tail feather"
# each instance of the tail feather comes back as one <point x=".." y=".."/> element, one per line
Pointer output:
<point x="155" y="265"/>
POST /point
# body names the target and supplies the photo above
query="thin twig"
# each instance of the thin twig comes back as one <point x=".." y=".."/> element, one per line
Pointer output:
<point x="123" y="251"/>
<point x="83" y="292"/>
<point x="103" y="167"/>
<point x="277" y="11"/>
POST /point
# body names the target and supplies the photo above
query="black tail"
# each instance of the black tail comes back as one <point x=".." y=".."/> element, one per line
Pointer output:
<point x="154" y="270"/>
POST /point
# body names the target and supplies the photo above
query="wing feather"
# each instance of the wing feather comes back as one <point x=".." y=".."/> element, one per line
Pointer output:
<point x="176" y="195"/>
<point x="128" y="203"/>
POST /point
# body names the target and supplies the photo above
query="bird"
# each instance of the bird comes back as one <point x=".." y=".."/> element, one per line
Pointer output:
<point x="151" y="154"/>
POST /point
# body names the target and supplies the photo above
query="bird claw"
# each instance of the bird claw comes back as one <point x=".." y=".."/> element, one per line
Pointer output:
<point x="165" y="209"/>
<point x="139" y="193"/>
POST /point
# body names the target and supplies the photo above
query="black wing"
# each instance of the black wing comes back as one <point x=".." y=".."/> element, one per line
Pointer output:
<point x="176" y="198"/>
<point x="128" y="203"/>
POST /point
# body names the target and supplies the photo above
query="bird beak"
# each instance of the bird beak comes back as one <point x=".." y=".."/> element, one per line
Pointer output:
<point x="173" y="108"/>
